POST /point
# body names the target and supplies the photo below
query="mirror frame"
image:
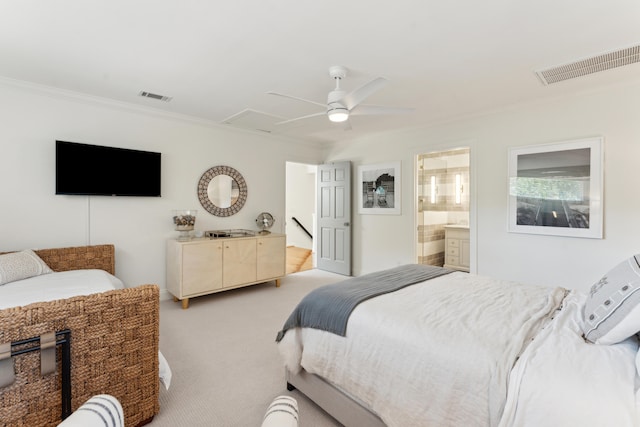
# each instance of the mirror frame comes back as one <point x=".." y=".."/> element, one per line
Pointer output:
<point x="203" y="187"/>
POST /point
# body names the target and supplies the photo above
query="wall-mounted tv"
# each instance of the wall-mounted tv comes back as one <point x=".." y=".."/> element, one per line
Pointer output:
<point x="84" y="169"/>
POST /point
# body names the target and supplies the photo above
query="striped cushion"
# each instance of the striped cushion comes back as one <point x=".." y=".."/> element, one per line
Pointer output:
<point x="283" y="412"/>
<point x="101" y="410"/>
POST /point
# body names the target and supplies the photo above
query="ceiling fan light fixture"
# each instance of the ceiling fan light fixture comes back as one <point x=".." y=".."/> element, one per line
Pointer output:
<point x="338" y="115"/>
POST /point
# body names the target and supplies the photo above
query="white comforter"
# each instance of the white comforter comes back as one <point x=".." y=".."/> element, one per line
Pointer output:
<point x="60" y="285"/>
<point x="561" y="380"/>
<point x="444" y="361"/>
<point x="390" y="364"/>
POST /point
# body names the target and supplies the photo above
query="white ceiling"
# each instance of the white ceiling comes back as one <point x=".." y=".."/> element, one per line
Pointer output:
<point x="445" y="59"/>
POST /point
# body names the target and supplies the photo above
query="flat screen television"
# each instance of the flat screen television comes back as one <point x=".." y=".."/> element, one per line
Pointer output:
<point x="84" y="169"/>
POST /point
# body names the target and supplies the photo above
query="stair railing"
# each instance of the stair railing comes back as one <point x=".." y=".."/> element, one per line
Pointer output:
<point x="301" y="226"/>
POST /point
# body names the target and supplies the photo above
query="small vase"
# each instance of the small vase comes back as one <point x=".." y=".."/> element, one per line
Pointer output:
<point x="184" y="221"/>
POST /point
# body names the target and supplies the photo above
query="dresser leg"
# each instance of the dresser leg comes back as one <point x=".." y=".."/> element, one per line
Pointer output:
<point x="277" y="283"/>
<point x="185" y="303"/>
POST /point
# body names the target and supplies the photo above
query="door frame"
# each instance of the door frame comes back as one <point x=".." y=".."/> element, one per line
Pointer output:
<point x="288" y="195"/>
<point x="473" y="221"/>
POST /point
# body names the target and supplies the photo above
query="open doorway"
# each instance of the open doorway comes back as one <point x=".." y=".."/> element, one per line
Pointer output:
<point x="443" y="183"/>
<point x="300" y="222"/>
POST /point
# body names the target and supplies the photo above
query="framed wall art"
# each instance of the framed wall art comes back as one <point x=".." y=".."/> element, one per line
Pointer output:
<point x="379" y="188"/>
<point x="557" y="189"/>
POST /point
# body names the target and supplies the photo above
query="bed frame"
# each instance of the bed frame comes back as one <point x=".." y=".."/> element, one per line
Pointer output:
<point x="336" y="403"/>
<point x="114" y="346"/>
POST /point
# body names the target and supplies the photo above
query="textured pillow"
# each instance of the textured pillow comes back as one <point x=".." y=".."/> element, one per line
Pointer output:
<point x="21" y="265"/>
<point x="612" y="311"/>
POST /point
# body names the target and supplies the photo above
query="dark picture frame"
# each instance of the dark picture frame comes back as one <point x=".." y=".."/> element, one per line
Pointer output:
<point x="379" y="188"/>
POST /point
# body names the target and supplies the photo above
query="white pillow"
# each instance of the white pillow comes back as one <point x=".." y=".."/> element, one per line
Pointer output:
<point x="21" y="265"/>
<point x="99" y="410"/>
<point x="612" y="311"/>
<point x="282" y="412"/>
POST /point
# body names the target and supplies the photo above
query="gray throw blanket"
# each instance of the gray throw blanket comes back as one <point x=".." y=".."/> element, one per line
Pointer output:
<point x="328" y="308"/>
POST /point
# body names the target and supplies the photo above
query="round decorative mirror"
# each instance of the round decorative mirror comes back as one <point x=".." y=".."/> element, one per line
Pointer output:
<point x="222" y="191"/>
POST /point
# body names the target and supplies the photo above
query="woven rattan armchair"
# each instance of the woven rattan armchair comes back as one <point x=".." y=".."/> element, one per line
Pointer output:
<point x="114" y="347"/>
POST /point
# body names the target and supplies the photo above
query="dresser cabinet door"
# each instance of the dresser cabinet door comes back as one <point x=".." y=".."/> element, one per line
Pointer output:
<point x="239" y="262"/>
<point x="271" y="259"/>
<point x="201" y="268"/>
<point x="457" y="250"/>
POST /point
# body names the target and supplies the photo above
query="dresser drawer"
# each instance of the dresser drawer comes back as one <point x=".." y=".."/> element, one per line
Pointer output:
<point x="453" y="243"/>
<point x="453" y="251"/>
<point x="453" y="260"/>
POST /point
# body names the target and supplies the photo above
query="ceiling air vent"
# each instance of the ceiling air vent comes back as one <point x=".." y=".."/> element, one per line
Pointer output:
<point x="155" y="96"/>
<point x="595" y="64"/>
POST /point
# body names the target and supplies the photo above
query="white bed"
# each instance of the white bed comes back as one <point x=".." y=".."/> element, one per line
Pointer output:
<point x="57" y="285"/>
<point x="460" y="350"/>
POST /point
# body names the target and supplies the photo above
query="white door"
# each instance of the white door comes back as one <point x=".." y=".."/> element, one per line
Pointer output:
<point x="334" y="217"/>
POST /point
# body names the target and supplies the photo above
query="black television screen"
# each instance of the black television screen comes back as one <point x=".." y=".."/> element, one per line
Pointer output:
<point x="84" y="169"/>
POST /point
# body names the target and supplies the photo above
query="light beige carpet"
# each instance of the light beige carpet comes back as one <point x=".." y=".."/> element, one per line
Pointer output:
<point x="222" y="352"/>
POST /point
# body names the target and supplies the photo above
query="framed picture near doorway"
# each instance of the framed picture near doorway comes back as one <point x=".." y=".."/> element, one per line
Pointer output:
<point x="557" y="189"/>
<point x="379" y="189"/>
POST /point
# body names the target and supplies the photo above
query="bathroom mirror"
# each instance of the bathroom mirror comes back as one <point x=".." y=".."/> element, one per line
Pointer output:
<point x="222" y="191"/>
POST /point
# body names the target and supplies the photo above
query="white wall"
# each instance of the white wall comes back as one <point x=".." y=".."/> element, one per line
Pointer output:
<point x="31" y="216"/>
<point x="385" y="240"/>
<point x="300" y="203"/>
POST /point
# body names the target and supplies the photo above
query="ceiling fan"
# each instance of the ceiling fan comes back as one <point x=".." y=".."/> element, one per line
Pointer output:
<point x="341" y="105"/>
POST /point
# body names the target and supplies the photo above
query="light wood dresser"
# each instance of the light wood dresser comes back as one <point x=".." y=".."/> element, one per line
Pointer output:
<point x="204" y="266"/>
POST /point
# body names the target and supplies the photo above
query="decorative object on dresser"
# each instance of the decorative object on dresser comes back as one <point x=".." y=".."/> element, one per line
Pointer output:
<point x="457" y="250"/>
<point x="184" y="220"/>
<point x="222" y="191"/>
<point x="265" y="222"/>
<point x="225" y="259"/>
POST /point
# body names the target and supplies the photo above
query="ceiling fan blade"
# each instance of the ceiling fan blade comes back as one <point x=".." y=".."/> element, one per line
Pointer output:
<point x="302" y="118"/>
<point x="371" y="110"/>
<point x="355" y="97"/>
<point x="298" y="99"/>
